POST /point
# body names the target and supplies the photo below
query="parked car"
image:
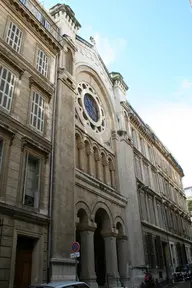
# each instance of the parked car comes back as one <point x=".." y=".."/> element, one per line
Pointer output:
<point x="61" y="285"/>
<point x="183" y="272"/>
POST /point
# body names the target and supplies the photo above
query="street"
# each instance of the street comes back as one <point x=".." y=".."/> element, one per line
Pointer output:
<point x="181" y="285"/>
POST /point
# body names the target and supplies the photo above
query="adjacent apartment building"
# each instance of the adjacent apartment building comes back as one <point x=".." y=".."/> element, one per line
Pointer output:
<point x="77" y="163"/>
<point x="29" y="46"/>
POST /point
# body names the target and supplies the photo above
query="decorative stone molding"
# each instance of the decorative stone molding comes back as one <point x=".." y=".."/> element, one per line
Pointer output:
<point x="48" y="90"/>
<point x="80" y="144"/>
<point x="67" y="78"/>
<point x="25" y="141"/>
<point x="8" y="130"/>
<point x="35" y="25"/>
<point x="6" y="55"/>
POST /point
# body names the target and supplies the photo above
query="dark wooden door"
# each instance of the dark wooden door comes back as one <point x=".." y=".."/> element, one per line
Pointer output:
<point x="23" y="266"/>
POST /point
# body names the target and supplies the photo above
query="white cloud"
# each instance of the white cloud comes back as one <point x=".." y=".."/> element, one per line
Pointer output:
<point x="108" y="48"/>
<point x="171" y="121"/>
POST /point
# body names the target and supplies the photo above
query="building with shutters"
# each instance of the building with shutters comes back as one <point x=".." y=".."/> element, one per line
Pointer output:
<point x="165" y="220"/>
<point x="77" y="163"/>
<point x="29" y="45"/>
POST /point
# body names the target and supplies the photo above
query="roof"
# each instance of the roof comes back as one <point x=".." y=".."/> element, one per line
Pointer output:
<point x="57" y="284"/>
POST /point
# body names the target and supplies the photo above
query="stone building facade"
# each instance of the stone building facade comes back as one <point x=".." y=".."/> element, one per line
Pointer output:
<point x="77" y="163"/>
<point x="28" y="51"/>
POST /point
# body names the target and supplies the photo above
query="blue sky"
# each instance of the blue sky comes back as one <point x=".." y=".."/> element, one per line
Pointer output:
<point x="149" y="43"/>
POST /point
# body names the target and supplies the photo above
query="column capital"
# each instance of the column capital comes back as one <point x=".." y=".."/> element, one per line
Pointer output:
<point x="122" y="237"/>
<point x="80" y="145"/>
<point x="109" y="234"/>
<point x="86" y="227"/>
<point x="90" y="151"/>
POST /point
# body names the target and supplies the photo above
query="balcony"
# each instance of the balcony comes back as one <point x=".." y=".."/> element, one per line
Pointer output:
<point x="47" y="24"/>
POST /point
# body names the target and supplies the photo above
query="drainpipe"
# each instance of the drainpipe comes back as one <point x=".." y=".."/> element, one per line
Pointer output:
<point x="52" y="170"/>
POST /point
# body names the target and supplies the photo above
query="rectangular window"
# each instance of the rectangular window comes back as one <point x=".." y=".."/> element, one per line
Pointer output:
<point x="138" y="168"/>
<point x="14" y="37"/>
<point x="146" y="174"/>
<point x="134" y="135"/>
<point x="143" y="151"/>
<point x="160" y="216"/>
<point x="143" y="206"/>
<point x="151" y="211"/>
<point x="42" y="63"/>
<point x="37" y="112"/>
<point x="7" y="82"/>
<point x="1" y="153"/>
<point x="154" y="181"/>
<point x="150" y="154"/>
<point x="31" y="181"/>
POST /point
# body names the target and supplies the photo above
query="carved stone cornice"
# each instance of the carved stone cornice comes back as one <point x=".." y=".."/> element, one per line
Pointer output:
<point x="5" y="55"/>
<point x="26" y="141"/>
<point x="47" y="89"/>
<point x="70" y="42"/>
<point x="35" y="25"/>
<point x="8" y="130"/>
<point x="67" y="78"/>
<point x="20" y="64"/>
<point x="23" y="214"/>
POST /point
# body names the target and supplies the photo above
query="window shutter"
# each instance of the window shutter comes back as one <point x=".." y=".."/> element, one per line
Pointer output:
<point x="25" y="176"/>
<point x="37" y="184"/>
<point x="159" y="252"/>
<point x="178" y="247"/>
<point x="150" y="249"/>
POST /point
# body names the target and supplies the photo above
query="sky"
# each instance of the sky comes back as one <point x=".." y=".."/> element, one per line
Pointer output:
<point x="150" y="43"/>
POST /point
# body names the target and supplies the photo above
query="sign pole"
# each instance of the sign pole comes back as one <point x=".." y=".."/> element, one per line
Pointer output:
<point x="76" y="269"/>
<point x="75" y="254"/>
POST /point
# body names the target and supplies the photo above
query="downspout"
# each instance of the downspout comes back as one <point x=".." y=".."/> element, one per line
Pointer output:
<point x="52" y="171"/>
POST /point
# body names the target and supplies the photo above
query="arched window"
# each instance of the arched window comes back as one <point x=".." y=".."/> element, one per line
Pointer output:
<point x="69" y="61"/>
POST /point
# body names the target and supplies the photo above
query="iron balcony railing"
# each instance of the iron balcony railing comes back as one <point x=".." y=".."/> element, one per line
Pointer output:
<point x="48" y="25"/>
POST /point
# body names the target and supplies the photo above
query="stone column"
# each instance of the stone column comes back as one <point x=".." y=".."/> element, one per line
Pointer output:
<point x="99" y="166"/>
<point x="81" y="147"/>
<point x="87" y="256"/>
<point x="91" y="162"/>
<point x="106" y="177"/>
<point x="122" y="252"/>
<point x="112" y="275"/>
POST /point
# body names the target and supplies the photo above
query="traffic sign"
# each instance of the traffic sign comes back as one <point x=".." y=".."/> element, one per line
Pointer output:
<point x="75" y="247"/>
<point x="75" y="255"/>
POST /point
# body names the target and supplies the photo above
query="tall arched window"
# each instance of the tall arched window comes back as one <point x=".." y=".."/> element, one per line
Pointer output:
<point x="69" y="61"/>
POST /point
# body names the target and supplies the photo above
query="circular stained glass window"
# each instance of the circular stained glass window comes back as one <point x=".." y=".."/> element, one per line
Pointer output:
<point x="91" y="107"/>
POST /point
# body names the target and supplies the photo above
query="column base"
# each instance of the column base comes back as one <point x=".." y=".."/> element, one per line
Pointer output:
<point x="112" y="282"/>
<point x="125" y="282"/>
<point x="137" y="276"/>
<point x="62" y="269"/>
<point x="91" y="282"/>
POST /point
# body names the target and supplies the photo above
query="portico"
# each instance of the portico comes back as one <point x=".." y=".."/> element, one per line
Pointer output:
<point x="103" y="250"/>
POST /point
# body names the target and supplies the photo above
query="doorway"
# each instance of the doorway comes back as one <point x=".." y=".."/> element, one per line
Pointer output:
<point x="23" y="263"/>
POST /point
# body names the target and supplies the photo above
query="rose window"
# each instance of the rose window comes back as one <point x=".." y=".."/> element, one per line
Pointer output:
<point x="89" y="107"/>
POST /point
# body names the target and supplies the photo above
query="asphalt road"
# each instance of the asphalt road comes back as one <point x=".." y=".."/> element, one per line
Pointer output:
<point x="181" y="285"/>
